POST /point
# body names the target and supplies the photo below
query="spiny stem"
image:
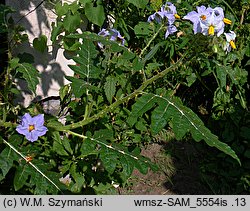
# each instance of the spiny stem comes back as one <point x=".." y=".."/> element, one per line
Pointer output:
<point x="104" y="144"/>
<point x="120" y="101"/>
<point x="150" y="41"/>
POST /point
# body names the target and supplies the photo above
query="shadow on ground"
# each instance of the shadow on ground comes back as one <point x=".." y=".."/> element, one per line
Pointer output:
<point x="178" y="173"/>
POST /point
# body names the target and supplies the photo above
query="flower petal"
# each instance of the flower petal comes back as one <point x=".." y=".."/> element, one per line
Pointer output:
<point x="41" y="130"/>
<point x="38" y="120"/>
<point x="31" y="136"/>
<point x="26" y="119"/>
<point x="22" y="130"/>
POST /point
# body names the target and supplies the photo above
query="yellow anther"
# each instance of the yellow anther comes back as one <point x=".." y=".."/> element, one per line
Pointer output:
<point x="31" y="127"/>
<point x="211" y="30"/>
<point x="177" y="16"/>
<point x="227" y="21"/>
<point x="232" y="44"/>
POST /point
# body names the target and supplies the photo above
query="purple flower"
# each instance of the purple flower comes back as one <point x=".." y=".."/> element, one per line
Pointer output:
<point x="113" y="35"/>
<point x="104" y="33"/>
<point x="168" y="11"/>
<point x="170" y="30"/>
<point x="32" y="127"/>
<point x="116" y="36"/>
<point x="157" y="16"/>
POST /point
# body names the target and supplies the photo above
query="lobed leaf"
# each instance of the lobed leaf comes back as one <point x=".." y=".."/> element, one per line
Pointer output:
<point x="112" y="154"/>
<point x="30" y="74"/>
<point x="183" y="120"/>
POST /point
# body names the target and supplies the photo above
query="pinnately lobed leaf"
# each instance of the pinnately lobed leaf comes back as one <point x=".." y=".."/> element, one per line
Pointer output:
<point x="85" y="60"/>
<point x="30" y="74"/>
<point x="183" y="120"/>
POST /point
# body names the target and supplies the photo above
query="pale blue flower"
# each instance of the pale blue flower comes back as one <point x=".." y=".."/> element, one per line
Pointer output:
<point x="196" y="17"/>
<point x="111" y="34"/>
<point x="32" y="127"/>
<point x="208" y="21"/>
<point x="230" y="38"/>
<point x="157" y="16"/>
<point x="104" y="33"/>
<point x="167" y="11"/>
<point x="116" y="36"/>
<point x="168" y="14"/>
<point x="212" y="25"/>
<point x="171" y="29"/>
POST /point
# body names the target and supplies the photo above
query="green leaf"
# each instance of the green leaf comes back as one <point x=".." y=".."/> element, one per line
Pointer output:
<point x="109" y="159"/>
<point x="127" y="167"/>
<point x="30" y="74"/>
<point x="63" y="92"/>
<point x="114" y="154"/>
<point x="191" y="79"/>
<point x="110" y="88"/>
<point x="71" y="44"/>
<point x="222" y="76"/>
<point x="66" y="144"/>
<point x="61" y="9"/>
<point x="104" y="134"/>
<point x="36" y="170"/>
<point x="72" y="21"/>
<point x="40" y="43"/>
<point x="183" y="120"/>
<point x="142" y="105"/>
<point x="88" y="147"/>
<point x="58" y="145"/>
<point x="139" y="3"/>
<point x="85" y="59"/>
<point x="7" y="157"/>
<point x="56" y="30"/>
<point x="95" y="14"/>
<point x="142" y="29"/>
<point x="85" y="1"/>
<point x="154" y="50"/>
<point x="80" y="182"/>
<point x="78" y="85"/>
<point x="14" y="63"/>
<point x="26" y="58"/>
<point x="22" y="175"/>
<point x="138" y="64"/>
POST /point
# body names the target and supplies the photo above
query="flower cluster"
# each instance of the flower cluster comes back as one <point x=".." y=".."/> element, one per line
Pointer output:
<point x="211" y="21"/>
<point x="32" y="127"/>
<point x="167" y="12"/>
<point x="208" y="21"/>
<point x="113" y="35"/>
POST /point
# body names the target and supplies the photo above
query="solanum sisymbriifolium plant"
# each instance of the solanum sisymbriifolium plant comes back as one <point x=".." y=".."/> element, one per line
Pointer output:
<point x="134" y="62"/>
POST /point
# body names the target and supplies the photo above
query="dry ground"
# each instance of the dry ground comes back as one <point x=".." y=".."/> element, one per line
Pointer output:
<point x="178" y="173"/>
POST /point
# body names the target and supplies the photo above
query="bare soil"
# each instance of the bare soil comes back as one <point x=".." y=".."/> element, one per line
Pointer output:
<point x="178" y="172"/>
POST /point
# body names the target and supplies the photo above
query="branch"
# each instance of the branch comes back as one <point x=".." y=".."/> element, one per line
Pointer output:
<point x="120" y="101"/>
